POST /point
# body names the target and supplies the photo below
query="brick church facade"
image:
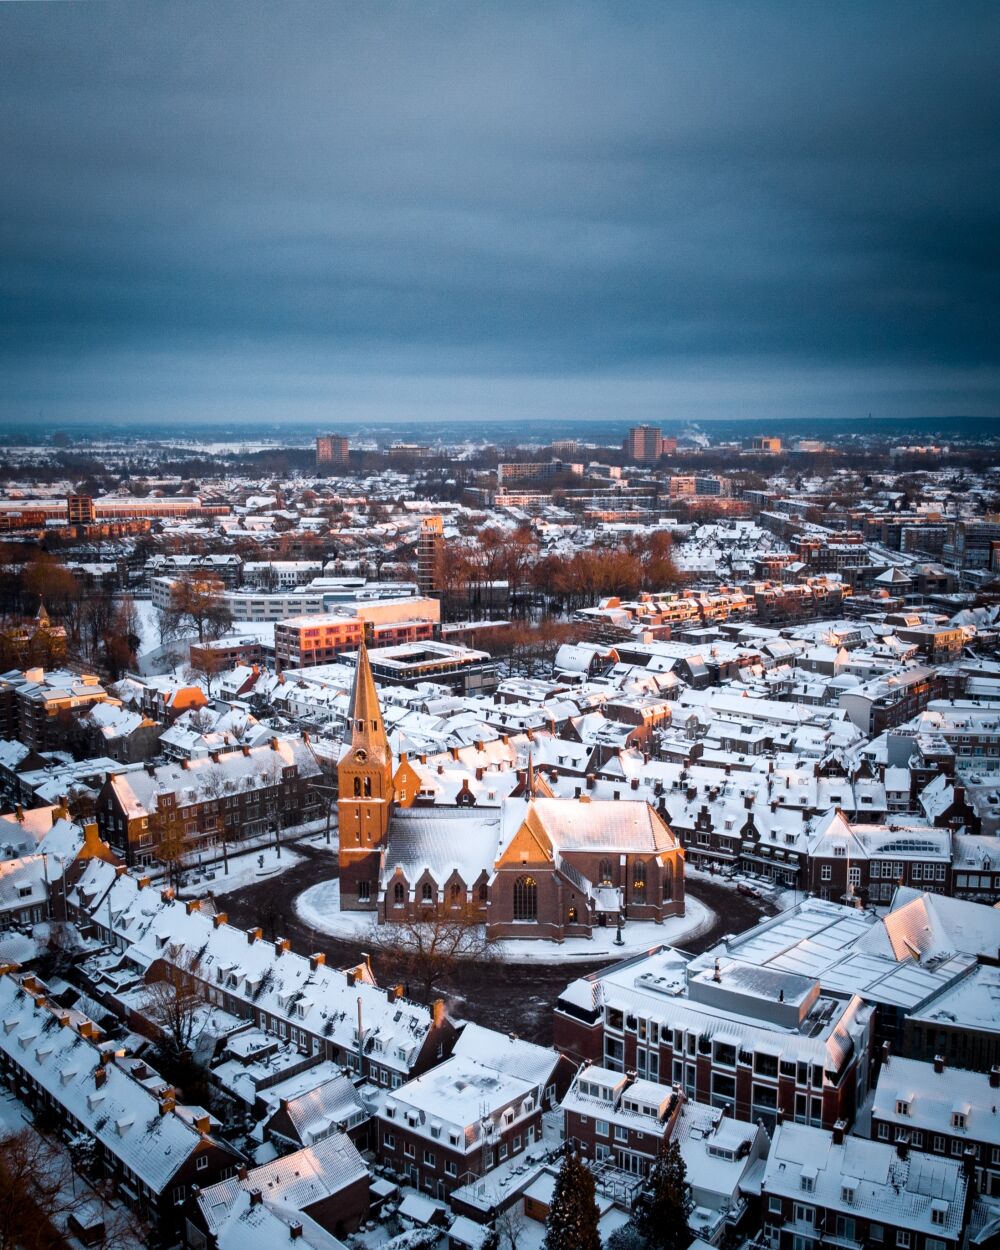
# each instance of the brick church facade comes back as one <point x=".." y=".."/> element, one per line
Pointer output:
<point x="537" y="867"/>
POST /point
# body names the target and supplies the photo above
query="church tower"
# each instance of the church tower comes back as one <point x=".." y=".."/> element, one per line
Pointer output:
<point x="364" y="805"/>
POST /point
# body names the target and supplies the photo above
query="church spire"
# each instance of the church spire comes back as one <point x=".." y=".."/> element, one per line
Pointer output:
<point x="364" y="716"/>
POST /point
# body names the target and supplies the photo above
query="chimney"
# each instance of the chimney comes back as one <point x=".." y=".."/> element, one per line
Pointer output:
<point x="274" y="744"/>
<point x="351" y="975"/>
<point x="995" y="1077"/>
<point x="479" y="773"/>
<point x="192" y="905"/>
<point x="19" y="814"/>
<point x="245" y="749"/>
<point x="316" y="960"/>
<point x="255" y="1197"/>
<point x="717" y="973"/>
<point x="100" y="1076"/>
<point x="281" y="947"/>
<point x="438" y="1012"/>
<point x="591" y="781"/>
<point x="839" y="1129"/>
<point x="121" y="870"/>
<point x="242" y="1172"/>
<point x="219" y="919"/>
<point x="254" y="935"/>
<point x="939" y="1064"/>
<point x="167" y="1105"/>
<point x="167" y="895"/>
<point x="295" y="1230"/>
<point x="635" y="783"/>
<point x="203" y="1124"/>
<point x="885" y="1053"/>
<point x="142" y="883"/>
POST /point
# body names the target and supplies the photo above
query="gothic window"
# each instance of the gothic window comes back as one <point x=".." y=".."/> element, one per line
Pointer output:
<point x="526" y="898"/>
<point x="357" y="787"/>
<point x="398" y="892"/>
<point x="456" y="891"/>
<point x="605" y="872"/>
<point x="484" y="892"/>
<point x="368" y="787"/>
<point x="426" y="893"/>
<point x="668" y="883"/>
<point x="571" y="917"/>
<point x="639" y="875"/>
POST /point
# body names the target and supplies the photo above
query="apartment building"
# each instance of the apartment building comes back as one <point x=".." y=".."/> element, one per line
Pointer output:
<point x="332" y="450"/>
<point x="226" y="796"/>
<point x="823" y="1188"/>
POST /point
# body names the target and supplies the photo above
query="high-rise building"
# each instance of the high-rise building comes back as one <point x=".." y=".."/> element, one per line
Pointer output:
<point x="430" y="545"/>
<point x="643" y="444"/>
<point x="332" y="449"/>
<point x="80" y="509"/>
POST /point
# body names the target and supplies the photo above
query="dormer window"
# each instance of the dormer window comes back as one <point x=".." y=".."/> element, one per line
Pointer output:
<point x="902" y="1107"/>
<point x="808" y="1182"/>
<point x="958" y="1119"/>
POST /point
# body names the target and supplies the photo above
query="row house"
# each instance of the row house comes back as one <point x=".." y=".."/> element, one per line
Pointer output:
<point x="868" y="863"/>
<point x="942" y="1111"/>
<point x="339" y="1015"/>
<point x="760" y="1041"/>
<point x="151" y="1151"/>
<point x="226" y="796"/>
<point x="40" y="708"/>
<point x="456" y="1123"/>
<point x="826" y="1188"/>
<point x="615" y="1116"/>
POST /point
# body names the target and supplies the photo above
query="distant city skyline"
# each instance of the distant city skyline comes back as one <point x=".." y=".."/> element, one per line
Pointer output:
<point x="533" y="213"/>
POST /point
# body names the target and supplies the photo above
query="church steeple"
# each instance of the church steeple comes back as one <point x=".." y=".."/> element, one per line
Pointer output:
<point x="365" y="728"/>
<point x="364" y="778"/>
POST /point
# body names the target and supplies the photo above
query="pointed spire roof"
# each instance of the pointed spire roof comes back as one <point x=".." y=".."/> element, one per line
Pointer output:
<point x="364" y="715"/>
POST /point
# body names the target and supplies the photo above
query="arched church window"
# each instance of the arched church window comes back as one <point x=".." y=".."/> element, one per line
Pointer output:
<point x="398" y="892"/>
<point x="368" y="787"/>
<point x="526" y="898"/>
<point x="639" y="875"/>
<point x="427" y="893"/>
<point x="605" y="872"/>
<point x="668" y="883"/>
<point x="357" y="787"/>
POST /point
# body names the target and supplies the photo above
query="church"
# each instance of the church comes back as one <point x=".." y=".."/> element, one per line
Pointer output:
<point x="536" y="867"/>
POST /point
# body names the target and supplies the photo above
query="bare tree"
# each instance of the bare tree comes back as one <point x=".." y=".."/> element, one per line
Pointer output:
<point x="173" y="1005"/>
<point x="427" y="950"/>
<point x="510" y="1227"/>
<point x="34" y="1189"/>
<point x="171" y="845"/>
<point x="196" y="602"/>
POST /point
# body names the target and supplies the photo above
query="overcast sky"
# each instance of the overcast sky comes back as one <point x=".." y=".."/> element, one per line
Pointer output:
<point x="665" y="210"/>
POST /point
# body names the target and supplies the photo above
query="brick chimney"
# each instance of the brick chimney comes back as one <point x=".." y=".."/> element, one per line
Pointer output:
<point x="939" y="1064"/>
<point x="167" y="1105"/>
<point x="255" y="1198"/>
<point x="254" y="934"/>
<point x="839" y="1129"/>
<point x="995" y="1077"/>
<point x="100" y="1076"/>
<point x="281" y="947"/>
<point x="316" y="960"/>
<point x="219" y="919"/>
<point x="192" y="905"/>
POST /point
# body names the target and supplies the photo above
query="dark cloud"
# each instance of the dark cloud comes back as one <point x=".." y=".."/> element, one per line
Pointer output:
<point x="430" y="208"/>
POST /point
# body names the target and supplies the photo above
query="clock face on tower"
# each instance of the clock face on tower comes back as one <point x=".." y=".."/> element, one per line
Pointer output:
<point x="361" y="755"/>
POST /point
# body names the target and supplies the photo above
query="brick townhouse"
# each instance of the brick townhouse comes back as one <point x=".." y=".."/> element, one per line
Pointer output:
<point x="225" y="796"/>
<point x="151" y="1155"/>
<point x="334" y="1014"/>
<point x="822" y="1188"/>
<point x="942" y="1111"/>
<point x="456" y="1123"/>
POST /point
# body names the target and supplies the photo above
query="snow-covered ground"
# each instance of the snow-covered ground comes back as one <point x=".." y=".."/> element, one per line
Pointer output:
<point x="243" y="870"/>
<point x="319" y="907"/>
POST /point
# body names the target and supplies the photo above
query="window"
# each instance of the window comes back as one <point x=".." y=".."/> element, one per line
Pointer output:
<point x="639" y="875"/>
<point x="902" y="1237"/>
<point x="937" y="1214"/>
<point x="525" y="898"/>
<point x="398" y="892"/>
<point x="389" y="1141"/>
<point x="503" y="1150"/>
<point x="774" y="1206"/>
<point x="426" y="893"/>
<point x="958" y="1119"/>
<point x="604" y="872"/>
<point x="883" y="1132"/>
<point x="902" y="1107"/>
<point x="450" y="1168"/>
<point x="803" y="1214"/>
<point x="603" y="1128"/>
<point x="621" y="1133"/>
<point x="430" y="1158"/>
<point x="364" y="891"/>
<point x="201" y="1163"/>
<point x="825" y="872"/>
<point x="456" y="891"/>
